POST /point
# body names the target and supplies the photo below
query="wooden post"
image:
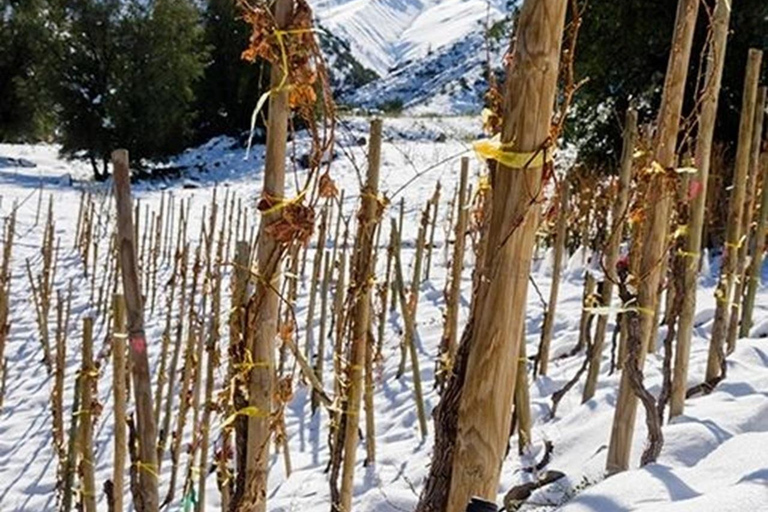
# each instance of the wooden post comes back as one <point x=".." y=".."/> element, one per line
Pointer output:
<point x="118" y="391"/>
<point x="756" y="266"/>
<point x="70" y="467"/>
<point x="317" y="266"/>
<point x="723" y="293"/>
<point x="85" y="432"/>
<point x="186" y="378"/>
<point x="320" y="359"/>
<point x="559" y="243"/>
<point x="362" y="271"/>
<point x="707" y="116"/>
<point x="431" y="244"/>
<point x="147" y="501"/>
<point x="473" y="418"/>
<point x="653" y="234"/>
<point x="618" y="217"/>
<point x="57" y="396"/>
<point x="746" y="221"/>
<point x="413" y="296"/>
<point x="522" y="401"/>
<point x="409" y="340"/>
<point x="383" y="294"/>
<point x="177" y="346"/>
<point x="587" y="302"/>
<point x="262" y="309"/>
<point x="450" y="335"/>
<point x="211" y="363"/>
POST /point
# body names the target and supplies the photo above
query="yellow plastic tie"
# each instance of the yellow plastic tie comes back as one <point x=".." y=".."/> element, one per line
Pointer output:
<point x="251" y="411"/>
<point x="149" y="468"/>
<point x="282" y="203"/>
<point x="494" y="149"/>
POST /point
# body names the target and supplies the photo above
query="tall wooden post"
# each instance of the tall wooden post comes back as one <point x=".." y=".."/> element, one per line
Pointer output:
<point x="450" y="335"/>
<point x="746" y="220"/>
<point x="262" y="308"/>
<point x="756" y="266"/>
<point x="472" y="423"/>
<point x="653" y="234"/>
<point x="362" y="272"/>
<point x="118" y="389"/>
<point x="618" y="216"/>
<point x="147" y="501"/>
<point x="723" y="298"/>
<point x="708" y="114"/>
<point x="85" y="432"/>
<point x="559" y="246"/>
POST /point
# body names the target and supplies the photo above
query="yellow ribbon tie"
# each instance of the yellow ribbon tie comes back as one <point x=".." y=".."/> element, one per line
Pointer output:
<point x="494" y="149"/>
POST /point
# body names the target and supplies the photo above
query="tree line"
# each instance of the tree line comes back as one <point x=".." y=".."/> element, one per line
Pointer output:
<point x="152" y="76"/>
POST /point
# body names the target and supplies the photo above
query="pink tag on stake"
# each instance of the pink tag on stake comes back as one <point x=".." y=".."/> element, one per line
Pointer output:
<point x="138" y="344"/>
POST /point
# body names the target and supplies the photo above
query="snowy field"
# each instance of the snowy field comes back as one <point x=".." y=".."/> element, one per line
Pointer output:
<point x="715" y="457"/>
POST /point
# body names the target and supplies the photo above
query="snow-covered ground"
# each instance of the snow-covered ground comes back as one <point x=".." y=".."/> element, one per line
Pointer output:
<point x="715" y="457"/>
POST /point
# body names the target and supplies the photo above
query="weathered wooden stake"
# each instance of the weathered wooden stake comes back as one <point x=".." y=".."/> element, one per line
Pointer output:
<point x="87" y="382"/>
<point x="118" y="391"/>
<point x="756" y="266"/>
<point x="147" y="500"/>
<point x="746" y="221"/>
<point x="473" y="418"/>
<point x="723" y="294"/>
<point x="361" y="281"/>
<point x="618" y="218"/>
<point x="453" y="297"/>
<point x="559" y="248"/>
<point x="652" y="241"/>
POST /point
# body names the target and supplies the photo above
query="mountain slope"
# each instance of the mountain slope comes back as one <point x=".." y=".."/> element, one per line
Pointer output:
<point x="386" y="33"/>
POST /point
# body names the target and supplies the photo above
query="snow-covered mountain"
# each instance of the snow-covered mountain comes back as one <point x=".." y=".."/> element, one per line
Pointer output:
<point x="429" y="54"/>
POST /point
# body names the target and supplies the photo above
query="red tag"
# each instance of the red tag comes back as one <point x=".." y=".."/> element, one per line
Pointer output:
<point x="694" y="189"/>
<point x="139" y="344"/>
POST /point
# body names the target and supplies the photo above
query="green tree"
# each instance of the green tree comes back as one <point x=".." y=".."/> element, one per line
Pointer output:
<point x="230" y="87"/>
<point x="26" y="108"/>
<point x="623" y="49"/>
<point x="125" y="77"/>
<point x="84" y="84"/>
<point x="163" y="62"/>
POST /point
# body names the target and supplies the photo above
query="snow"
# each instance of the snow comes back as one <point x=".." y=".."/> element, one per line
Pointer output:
<point x="387" y="33"/>
<point x="715" y="456"/>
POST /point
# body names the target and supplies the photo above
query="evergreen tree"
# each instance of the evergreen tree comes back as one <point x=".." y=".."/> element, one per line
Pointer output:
<point x="158" y="73"/>
<point x="623" y="48"/>
<point x="26" y="108"/>
<point x="231" y="86"/>
<point x="85" y="86"/>
<point x="126" y="78"/>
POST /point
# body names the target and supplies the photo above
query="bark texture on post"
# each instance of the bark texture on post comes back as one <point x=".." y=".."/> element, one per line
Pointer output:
<point x="708" y="114"/>
<point x="746" y="221"/>
<point x="653" y="234"/>
<point x="756" y="266"/>
<point x="118" y="389"/>
<point x="409" y="341"/>
<point x="472" y="422"/>
<point x="362" y="283"/>
<point x="557" y="264"/>
<point x="723" y="293"/>
<point x="450" y="335"/>
<point x="85" y="433"/>
<point x="262" y="308"/>
<point x="142" y="386"/>
<point x="618" y="217"/>
<point x="523" y="401"/>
